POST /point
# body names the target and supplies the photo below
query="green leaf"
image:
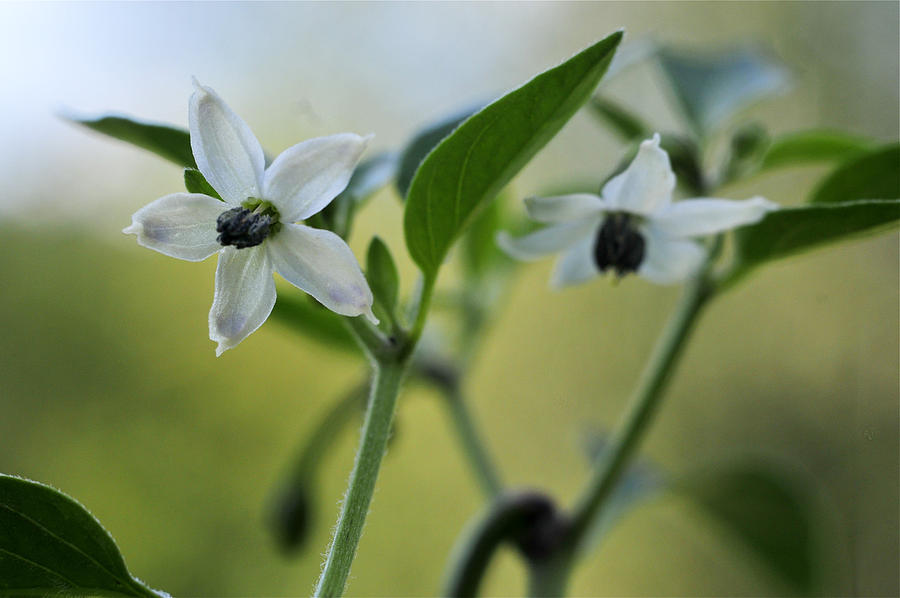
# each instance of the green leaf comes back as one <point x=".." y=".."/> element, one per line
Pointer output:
<point x="806" y="147"/>
<point x="769" y="510"/>
<point x="794" y="230"/>
<point x="382" y="275"/>
<point x="628" y="125"/>
<point x="169" y="142"/>
<point x="310" y="318"/>
<point x="874" y="175"/>
<point x="421" y="145"/>
<point x="50" y="545"/>
<point x="368" y="178"/>
<point x="479" y="248"/>
<point x="711" y="87"/>
<point x="468" y="168"/>
<point x="195" y="182"/>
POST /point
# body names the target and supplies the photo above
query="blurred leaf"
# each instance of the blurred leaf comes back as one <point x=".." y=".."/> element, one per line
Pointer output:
<point x="746" y="149"/>
<point x="368" y="178"/>
<point x="195" y="182"/>
<point x="169" y="142"/>
<point x="793" y="230"/>
<point x="313" y="320"/>
<point x="874" y="175"/>
<point x="813" y="146"/>
<point x="713" y="86"/>
<point x="421" y="145"/>
<point x="468" y="168"/>
<point x="628" y="125"/>
<point x="50" y="545"/>
<point x="479" y="250"/>
<point x="382" y="275"/>
<point x="769" y="510"/>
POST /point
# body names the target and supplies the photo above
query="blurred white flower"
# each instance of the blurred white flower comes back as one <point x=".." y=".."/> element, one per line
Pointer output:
<point x="634" y="227"/>
<point x="253" y="231"/>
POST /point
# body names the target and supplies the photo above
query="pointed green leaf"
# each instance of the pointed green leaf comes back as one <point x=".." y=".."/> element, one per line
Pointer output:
<point x="469" y="167"/>
<point x="628" y="125"/>
<point x="313" y="320"/>
<point x="195" y="182"/>
<point x="50" y="545"/>
<point x="421" y="145"/>
<point x="711" y="87"/>
<point x="169" y="142"/>
<point x="769" y="510"/>
<point x="382" y="275"/>
<point x="873" y="175"/>
<point x="806" y="147"/>
<point x="794" y="230"/>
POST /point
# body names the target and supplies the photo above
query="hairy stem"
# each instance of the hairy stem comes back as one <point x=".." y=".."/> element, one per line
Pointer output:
<point x="375" y="433"/>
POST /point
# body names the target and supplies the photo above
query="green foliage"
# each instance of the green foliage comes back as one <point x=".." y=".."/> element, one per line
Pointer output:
<point x="369" y="177"/>
<point x="195" y="182"/>
<point x="769" y="511"/>
<point x="795" y="230"/>
<point x="468" y="168"/>
<point x="625" y="123"/>
<point x="308" y="317"/>
<point x="712" y="87"/>
<point x="171" y="143"/>
<point x="421" y="145"/>
<point x="51" y="545"/>
<point x="873" y="175"/>
<point x="813" y="146"/>
<point x="382" y="275"/>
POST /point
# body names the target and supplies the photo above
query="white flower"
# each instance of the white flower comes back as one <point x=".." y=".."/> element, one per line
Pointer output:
<point x="634" y="227"/>
<point x="253" y="231"/>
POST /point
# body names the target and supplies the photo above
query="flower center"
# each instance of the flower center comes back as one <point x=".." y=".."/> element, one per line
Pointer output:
<point x="247" y="225"/>
<point x="619" y="245"/>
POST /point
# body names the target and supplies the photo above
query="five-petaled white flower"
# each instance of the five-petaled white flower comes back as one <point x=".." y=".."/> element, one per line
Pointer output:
<point x="253" y="231"/>
<point x="634" y="227"/>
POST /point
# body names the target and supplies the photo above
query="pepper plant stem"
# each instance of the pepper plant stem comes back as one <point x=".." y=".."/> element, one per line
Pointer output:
<point x="639" y="414"/>
<point x="472" y="444"/>
<point x="376" y="430"/>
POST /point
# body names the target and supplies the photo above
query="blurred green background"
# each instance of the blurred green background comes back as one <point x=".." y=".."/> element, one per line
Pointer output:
<point x="111" y="391"/>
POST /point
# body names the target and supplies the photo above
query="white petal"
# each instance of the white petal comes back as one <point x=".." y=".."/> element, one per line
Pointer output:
<point x="245" y="295"/>
<point x="547" y="240"/>
<point x="576" y="265"/>
<point x="693" y="217"/>
<point x="564" y="207"/>
<point x="668" y="260"/>
<point x="646" y="185"/>
<point x="181" y="225"/>
<point x="320" y="263"/>
<point x="227" y="152"/>
<point x="306" y="177"/>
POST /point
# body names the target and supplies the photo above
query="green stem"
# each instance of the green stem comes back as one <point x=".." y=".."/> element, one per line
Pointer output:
<point x="640" y="411"/>
<point x="472" y="443"/>
<point x="375" y="433"/>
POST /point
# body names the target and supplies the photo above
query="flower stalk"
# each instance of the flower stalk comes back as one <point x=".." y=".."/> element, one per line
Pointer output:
<point x="388" y="377"/>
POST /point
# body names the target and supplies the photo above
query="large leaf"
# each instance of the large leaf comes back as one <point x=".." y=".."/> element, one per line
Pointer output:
<point x="50" y="545"/>
<point x="794" y="230"/>
<point x="169" y="142"/>
<point x="711" y="87"/>
<point x="313" y="320"/>
<point x="873" y="175"/>
<point x="421" y="145"/>
<point x="469" y="167"/>
<point x="770" y="511"/>
<point x="813" y="146"/>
